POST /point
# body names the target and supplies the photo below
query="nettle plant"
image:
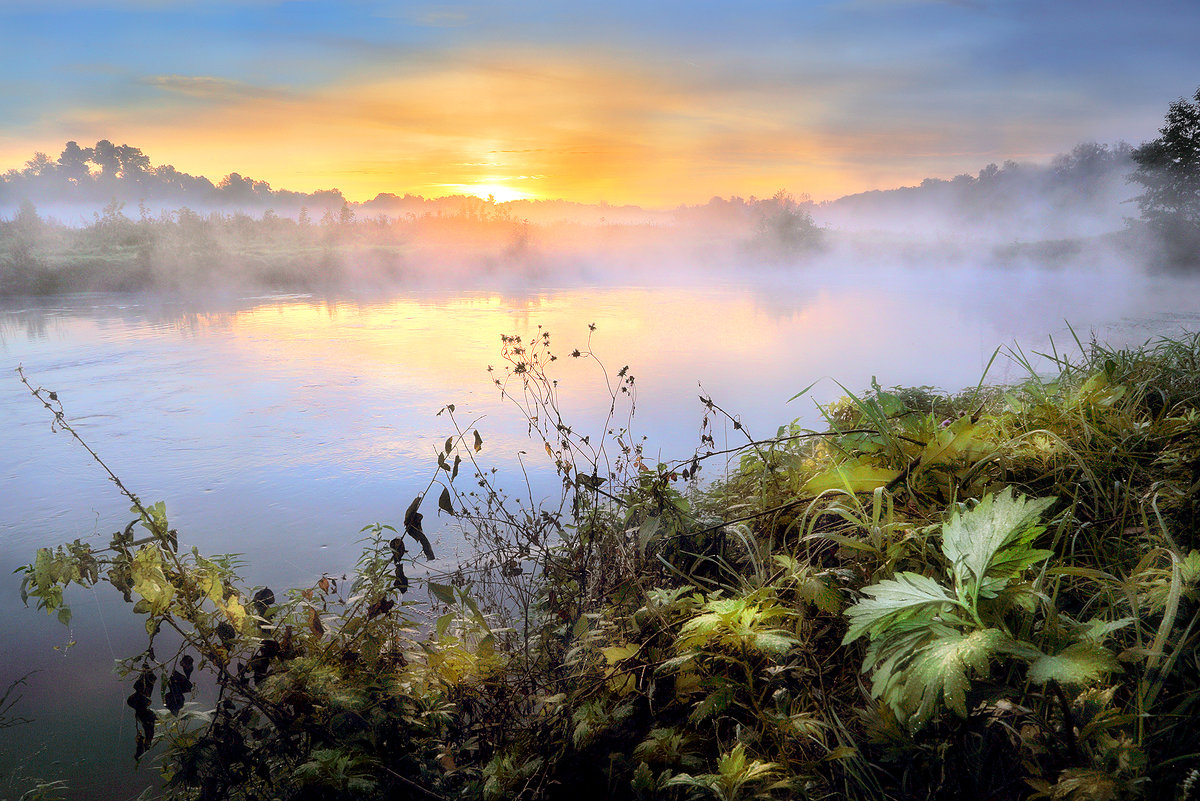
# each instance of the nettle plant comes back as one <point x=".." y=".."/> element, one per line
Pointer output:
<point x="934" y="643"/>
<point x="928" y="637"/>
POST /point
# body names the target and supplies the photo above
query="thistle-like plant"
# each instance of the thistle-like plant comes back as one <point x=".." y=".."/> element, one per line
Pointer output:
<point x="737" y="777"/>
<point x="929" y="637"/>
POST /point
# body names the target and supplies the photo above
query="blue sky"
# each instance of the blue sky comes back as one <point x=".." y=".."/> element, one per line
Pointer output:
<point x="656" y="103"/>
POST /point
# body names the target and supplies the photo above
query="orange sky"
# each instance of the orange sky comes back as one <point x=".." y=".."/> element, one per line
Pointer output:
<point x="579" y="130"/>
<point x="652" y="104"/>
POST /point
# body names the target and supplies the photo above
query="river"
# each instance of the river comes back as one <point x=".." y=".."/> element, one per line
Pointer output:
<point x="277" y="426"/>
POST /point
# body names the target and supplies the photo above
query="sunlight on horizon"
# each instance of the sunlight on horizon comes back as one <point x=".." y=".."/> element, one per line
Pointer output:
<point x="499" y="193"/>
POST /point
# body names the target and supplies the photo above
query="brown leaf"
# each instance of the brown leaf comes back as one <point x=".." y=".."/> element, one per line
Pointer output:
<point x="412" y="526"/>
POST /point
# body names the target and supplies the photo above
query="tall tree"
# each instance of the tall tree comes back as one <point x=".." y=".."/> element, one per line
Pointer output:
<point x="1168" y="169"/>
<point x="104" y="155"/>
<point x="134" y="164"/>
<point x="72" y="163"/>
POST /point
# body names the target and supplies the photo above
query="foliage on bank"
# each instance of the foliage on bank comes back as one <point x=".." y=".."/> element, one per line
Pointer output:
<point x="994" y="594"/>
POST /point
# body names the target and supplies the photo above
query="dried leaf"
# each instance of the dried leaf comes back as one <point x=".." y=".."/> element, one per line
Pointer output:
<point x="444" y="502"/>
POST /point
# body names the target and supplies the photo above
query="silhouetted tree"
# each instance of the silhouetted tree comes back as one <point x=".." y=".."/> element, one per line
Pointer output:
<point x="1168" y="168"/>
<point x="135" y="165"/>
<point x="40" y="166"/>
<point x="104" y="155"/>
<point x="73" y="163"/>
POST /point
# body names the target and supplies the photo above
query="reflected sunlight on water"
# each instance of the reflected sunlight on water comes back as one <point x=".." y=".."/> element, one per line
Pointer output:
<point x="277" y="426"/>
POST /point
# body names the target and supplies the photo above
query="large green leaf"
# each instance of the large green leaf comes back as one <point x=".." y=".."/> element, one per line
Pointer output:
<point x="917" y="671"/>
<point x="957" y="439"/>
<point x="907" y="596"/>
<point x="1080" y="663"/>
<point x="995" y="537"/>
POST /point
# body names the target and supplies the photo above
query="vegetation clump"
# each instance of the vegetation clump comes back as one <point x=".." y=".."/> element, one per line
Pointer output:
<point x="1168" y="170"/>
<point x="992" y="594"/>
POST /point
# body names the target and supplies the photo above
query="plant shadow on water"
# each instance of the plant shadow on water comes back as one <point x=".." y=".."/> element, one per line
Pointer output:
<point x="1014" y="570"/>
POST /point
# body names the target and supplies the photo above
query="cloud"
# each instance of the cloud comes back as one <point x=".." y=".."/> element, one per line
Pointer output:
<point x="207" y="87"/>
<point x="439" y="17"/>
<point x="591" y="125"/>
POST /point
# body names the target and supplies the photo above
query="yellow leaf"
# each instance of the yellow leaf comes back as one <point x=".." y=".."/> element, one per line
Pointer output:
<point x="208" y="578"/>
<point x="617" y="653"/>
<point x="956" y="439"/>
<point x="236" y="613"/>
<point x="619" y="682"/>
<point x="149" y="580"/>
<point x="852" y="476"/>
<point x="686" y="683"/>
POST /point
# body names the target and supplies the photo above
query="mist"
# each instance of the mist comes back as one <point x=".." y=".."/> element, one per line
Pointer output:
<point x="105" y="219"/>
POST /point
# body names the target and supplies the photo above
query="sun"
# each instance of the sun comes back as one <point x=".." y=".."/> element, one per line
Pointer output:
<point x="497" y="192"/>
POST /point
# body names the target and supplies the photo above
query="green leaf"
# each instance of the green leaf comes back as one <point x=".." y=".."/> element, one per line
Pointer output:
<point x="646" y="533"/>
<point x="1189" y="568"/>
<point x="809" y="585"/>
<point x="773" y="642"/>
<point x="917" y="671"/>
<point x="972" y="541"/>
<point x="1080" y="663"/>
<point x="64" y="615"/>
<point x="618" y="653"/>
<point x="714" y="704"/>
<point x="907" y="596"/>
<point x="1097" y="631"/>
<point x="1097" y="391"/>
<point x="947" y="662"/>
<point x="956" y="439"/>
<point x="443" y="592"/>
<point x="642" y="782"/>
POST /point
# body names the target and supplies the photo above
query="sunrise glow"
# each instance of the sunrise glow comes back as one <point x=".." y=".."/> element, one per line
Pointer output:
<point x="595" y="103"/>
<point x="496" y="192"/>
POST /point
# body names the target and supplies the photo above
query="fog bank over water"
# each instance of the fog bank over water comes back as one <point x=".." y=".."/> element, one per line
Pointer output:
<point x="241" y="235"/>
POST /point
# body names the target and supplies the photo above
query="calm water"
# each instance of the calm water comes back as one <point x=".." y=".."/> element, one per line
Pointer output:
<point x="278" y="426"/>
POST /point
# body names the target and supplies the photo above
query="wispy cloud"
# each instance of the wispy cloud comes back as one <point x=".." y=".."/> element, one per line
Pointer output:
<point x="207" y="87"/>
<point x="440" y="17"/>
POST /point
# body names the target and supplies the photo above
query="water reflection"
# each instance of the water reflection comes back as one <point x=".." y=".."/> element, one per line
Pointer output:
<point x="277" y="426"/>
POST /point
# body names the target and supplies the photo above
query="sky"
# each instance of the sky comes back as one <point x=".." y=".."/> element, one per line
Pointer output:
<point x="621" y="101"/>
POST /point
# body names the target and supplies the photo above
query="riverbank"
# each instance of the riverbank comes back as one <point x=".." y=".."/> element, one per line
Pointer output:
<point x="991" y="593"/>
